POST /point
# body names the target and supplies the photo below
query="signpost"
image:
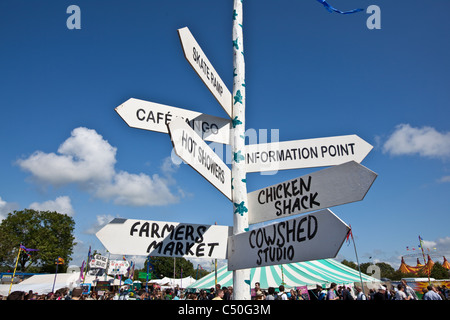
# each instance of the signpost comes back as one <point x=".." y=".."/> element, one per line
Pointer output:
<point x="345" y="183"/>
<point x="308" y="153"/>
<point x="190" y="147"/>
<point x="200" y="63"/>
<point x="155" y="117"/>
<point x="318" y="235"/>
<point x="164" y="239"/>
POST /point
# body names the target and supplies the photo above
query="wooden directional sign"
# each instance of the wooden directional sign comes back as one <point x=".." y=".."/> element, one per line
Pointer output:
<point x="345" y="183"/>
<point x="194" y="151"/>
<point x="164" y="239"/>
<point x="308" y="153"/>
<point x="155" y="117"/>
<point x="198" y="60"/>
<point x="318" y="235"/>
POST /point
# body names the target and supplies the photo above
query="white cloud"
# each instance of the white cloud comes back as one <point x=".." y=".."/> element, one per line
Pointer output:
<point x="86" y="159"/>
<point x="425" y="141"/>
<point x="137" y="190"/>
<point x="61" y="205"/>
<point x="83" y="158"/>
<point x="102" y="220"/>
<point x="444" y="179"/>
<point x="5" y="208"/>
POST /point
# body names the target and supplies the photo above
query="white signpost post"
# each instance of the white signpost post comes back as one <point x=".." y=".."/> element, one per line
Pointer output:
<point x="164" y="239"/>
<point x="318" y="235"/>
<point x="190" y="147"/>
<point x="155" y="117"/>
<point x="345" y="183"/>
<point x="308" y="153"/>
<point x="200" y="63"/>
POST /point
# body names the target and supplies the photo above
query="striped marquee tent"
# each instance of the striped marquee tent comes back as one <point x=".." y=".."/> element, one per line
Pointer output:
<point x="310" y="274"/>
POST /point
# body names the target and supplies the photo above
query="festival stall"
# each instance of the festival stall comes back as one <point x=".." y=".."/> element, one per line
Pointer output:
<point x="311" y="273"/>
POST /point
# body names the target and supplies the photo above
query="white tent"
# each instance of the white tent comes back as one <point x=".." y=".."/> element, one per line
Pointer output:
<point x="174" y="282"/>
<point x="43" y="283"/>
<point x="308" y="273"/>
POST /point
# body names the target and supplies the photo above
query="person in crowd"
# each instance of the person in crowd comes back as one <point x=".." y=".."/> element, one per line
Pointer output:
<point x="360" y="294"/>
<point x="332" y="294"/>
<point x="409" y="291"/>
<point x="380" y="295"/>
<point x="431" y="294"/>
<point x="281" y="294"/>
<point x="270" y="293"/>
<point x="226" y="293"/>
<point x="219" y="295"/>
<point x="400" y="294"/>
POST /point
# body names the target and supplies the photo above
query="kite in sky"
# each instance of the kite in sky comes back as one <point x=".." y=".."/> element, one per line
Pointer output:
<point x="331" y="9"/>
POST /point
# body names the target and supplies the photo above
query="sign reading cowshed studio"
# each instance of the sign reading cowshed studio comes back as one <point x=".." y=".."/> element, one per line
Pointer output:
<point x="318" y="235"/>
<point x="165" y="239"/>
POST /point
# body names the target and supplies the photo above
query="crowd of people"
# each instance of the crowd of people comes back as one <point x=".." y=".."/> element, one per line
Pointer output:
<point x="400" y="292"/>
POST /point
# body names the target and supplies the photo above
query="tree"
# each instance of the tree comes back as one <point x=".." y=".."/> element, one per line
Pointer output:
<point x="48" y="231"/>
<point x="164" y="267"/>
<point x="438" y="271"/>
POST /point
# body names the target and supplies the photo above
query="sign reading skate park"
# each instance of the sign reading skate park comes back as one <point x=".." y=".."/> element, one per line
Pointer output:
<point x="165" y="239"/>
<point x="308" y="153"/>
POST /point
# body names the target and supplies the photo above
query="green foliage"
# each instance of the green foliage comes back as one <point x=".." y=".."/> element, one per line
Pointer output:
<point x="439" y="272"/>
<point x="49" y="232"/>
<point x="164" y="267"/>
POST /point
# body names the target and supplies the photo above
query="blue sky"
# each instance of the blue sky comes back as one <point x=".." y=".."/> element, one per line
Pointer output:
<point x="309" y="74"/>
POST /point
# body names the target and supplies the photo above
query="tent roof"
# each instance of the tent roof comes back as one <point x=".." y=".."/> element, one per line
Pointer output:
<point x="43" y="283"/>
<point x="310" y="273"/>
<point x="173" y="282"/>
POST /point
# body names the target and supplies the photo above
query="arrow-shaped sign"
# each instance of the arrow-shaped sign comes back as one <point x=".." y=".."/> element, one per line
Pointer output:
<point x="345" y="183"/>
<point x="155" y="117"/>
<point x="318" y="235"/>
<point x="308" y="153"/>
<point x="164" y="239"/>
<point x="198" y="60"/>
<point x="194" y="151"/>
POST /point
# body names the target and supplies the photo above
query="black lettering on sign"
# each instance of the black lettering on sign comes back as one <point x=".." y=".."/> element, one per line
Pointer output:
<point x="278" y="242"/>
<point x="171" y="239"/>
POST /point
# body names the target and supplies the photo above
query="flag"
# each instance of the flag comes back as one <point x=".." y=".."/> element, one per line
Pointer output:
<point x="89" y="254"/>
<point x="81" y="270"/>
<point x="59" y="261"/>
<point x="331" y="9"/>
<point x="349" y="233"/>
<point x="27" y="249"/>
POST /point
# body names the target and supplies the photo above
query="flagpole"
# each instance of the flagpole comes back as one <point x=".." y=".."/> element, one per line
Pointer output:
<point x="87" y="263"/>
<point x="424" y="261"/>
<point x="14" y="273"/>
<point x="54" y="281"/>
<point x="357" y="260"/>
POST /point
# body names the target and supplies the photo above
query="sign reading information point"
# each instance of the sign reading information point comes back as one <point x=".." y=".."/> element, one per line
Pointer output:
<point x="345" y="183"/>
<point x="190" y="147"/>
<point x="318" y="235"/>
<point x="308" y="153"/>
<point x="164" y="239"/>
